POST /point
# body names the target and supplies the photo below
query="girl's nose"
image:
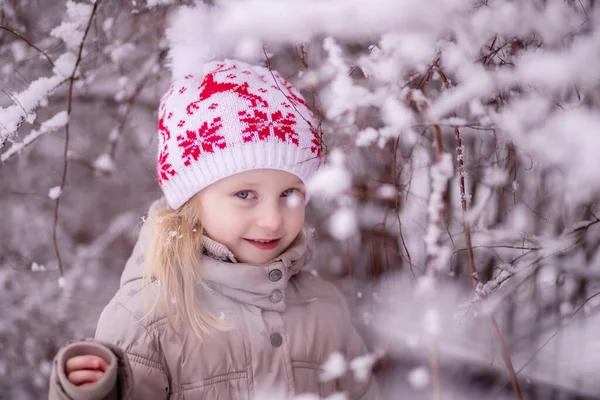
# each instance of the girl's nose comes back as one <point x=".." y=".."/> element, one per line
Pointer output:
<point x="270" y="218"/>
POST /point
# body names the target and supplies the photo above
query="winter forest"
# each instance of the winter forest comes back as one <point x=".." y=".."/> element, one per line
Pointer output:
<point x="458" y="205"/>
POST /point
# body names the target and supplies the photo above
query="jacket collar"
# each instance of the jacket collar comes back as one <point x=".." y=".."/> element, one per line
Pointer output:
<point x="253" y="284"/>
<point x="245" y="283"/>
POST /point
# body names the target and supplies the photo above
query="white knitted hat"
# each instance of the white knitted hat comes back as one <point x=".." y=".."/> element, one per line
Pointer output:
<point x="226" y="117"/>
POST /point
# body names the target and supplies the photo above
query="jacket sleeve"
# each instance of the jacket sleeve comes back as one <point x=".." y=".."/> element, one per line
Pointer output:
<point x="106" y="388"/>
<point x="119" y="326"/>
<point x="358" y="386"/>
<point x="362" y="385"/>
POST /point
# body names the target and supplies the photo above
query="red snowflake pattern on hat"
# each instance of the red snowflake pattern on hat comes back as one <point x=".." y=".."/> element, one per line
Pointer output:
<point x="263" y="125"/>
<point x="165" y="169"/>
<point x="204" y="140"/>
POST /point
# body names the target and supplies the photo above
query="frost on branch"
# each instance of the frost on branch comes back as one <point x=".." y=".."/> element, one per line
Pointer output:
<point x="57" y="121"/>
<point x="25" y="104"/>
<point x="72" y="28"/>
<point x="55" y="192"/>
<point x="441" y="173"/>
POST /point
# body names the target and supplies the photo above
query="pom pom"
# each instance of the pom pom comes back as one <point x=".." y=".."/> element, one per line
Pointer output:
<point x="193" y="40"/>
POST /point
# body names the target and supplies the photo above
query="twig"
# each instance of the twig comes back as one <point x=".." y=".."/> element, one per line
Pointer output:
<point x="66" y="147"/>
<point x="537" y="351"/>
<point x="131" y="101"/>
<point x="439" y="186"/>
<point x="434" y="362"/>
<point x="29" y="43"/>
<point x="397" y="204"/>
<point x="463" y="199"/>
<point x="32" y="137"/>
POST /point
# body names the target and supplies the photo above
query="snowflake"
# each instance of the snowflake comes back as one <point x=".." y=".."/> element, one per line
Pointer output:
<point x="265" y="126"/>
<point x="204" y="140"/>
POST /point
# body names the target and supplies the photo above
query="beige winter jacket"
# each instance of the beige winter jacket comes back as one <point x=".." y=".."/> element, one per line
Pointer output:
<point x="286" y="320"/>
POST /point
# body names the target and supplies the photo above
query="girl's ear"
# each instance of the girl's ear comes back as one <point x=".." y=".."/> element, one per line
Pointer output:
<point x="195" y="206"/>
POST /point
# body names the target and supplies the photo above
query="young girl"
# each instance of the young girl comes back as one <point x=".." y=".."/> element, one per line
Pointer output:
<point x="216" y="301"/>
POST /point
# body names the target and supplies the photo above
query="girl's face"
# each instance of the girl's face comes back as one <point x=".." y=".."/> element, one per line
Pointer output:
<point x="256" y="214"/>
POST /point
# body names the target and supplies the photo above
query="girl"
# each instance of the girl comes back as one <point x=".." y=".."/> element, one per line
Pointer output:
<point x="216" y="301"/>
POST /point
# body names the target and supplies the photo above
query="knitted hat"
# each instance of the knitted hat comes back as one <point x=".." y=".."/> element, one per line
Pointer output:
<point x="226" y="117"/>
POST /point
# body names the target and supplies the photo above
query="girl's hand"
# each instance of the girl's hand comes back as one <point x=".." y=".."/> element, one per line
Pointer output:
<point x="85" y="370"/>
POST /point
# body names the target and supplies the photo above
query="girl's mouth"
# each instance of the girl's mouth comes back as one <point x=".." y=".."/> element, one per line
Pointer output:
<point x="264" y="244"/>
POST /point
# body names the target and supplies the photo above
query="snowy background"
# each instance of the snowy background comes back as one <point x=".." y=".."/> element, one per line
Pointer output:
<point x="457" y="208"/>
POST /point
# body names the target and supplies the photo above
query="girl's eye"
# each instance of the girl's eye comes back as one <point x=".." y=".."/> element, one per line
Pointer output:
<point x="245" y="195"/>
<point x="289" y="192"/>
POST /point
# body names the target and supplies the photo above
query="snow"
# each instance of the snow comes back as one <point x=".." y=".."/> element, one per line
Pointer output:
<point x="65" y="65"/>
<point x="121" y="52"/>
<point x="294" y="200"/>
<point x="441" y="173"/>
<point x="483" y="290"/>
<point x="337" y="396"/>
<point x="194" y="40"/>
<point x="334" y="367"/>
<point x="419" y="378"/>
<point x="55" y="192"/>
<point x="35" y="267"/>
<point x="387" y="191"/>
<point x="307" y="396"/>
<point x="104" y="163"/>
<point x="57" y="121"/>
<point x="331" y="179"/>
<point x="72" y="28"/>
<point x="108" y="24"/>
<point x="342" y="96"/>
<point x="362" y="367"/>
<point x="155" y="3"/>
<point x="496" y="177"/>
<point x="425" y="285"/>
<point x="299" y="20"/>
<point x="366" y="137"/>
<point x="19" y="51"/>
<point x="62" y="282"/>
<point x="396" y="115"/>
<point x="343" y="224"/>
<point x="24" y="104"/>
<point x="432" y="321"/>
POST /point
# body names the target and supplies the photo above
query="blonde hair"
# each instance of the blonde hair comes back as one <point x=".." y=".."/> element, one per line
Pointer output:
<point x="173" y="259"/>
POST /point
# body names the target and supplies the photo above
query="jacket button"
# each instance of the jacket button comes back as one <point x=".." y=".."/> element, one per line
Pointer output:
<point x="275" y="275"/>
<point x="276" y="339"/>
<point x="276" y="296"/>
